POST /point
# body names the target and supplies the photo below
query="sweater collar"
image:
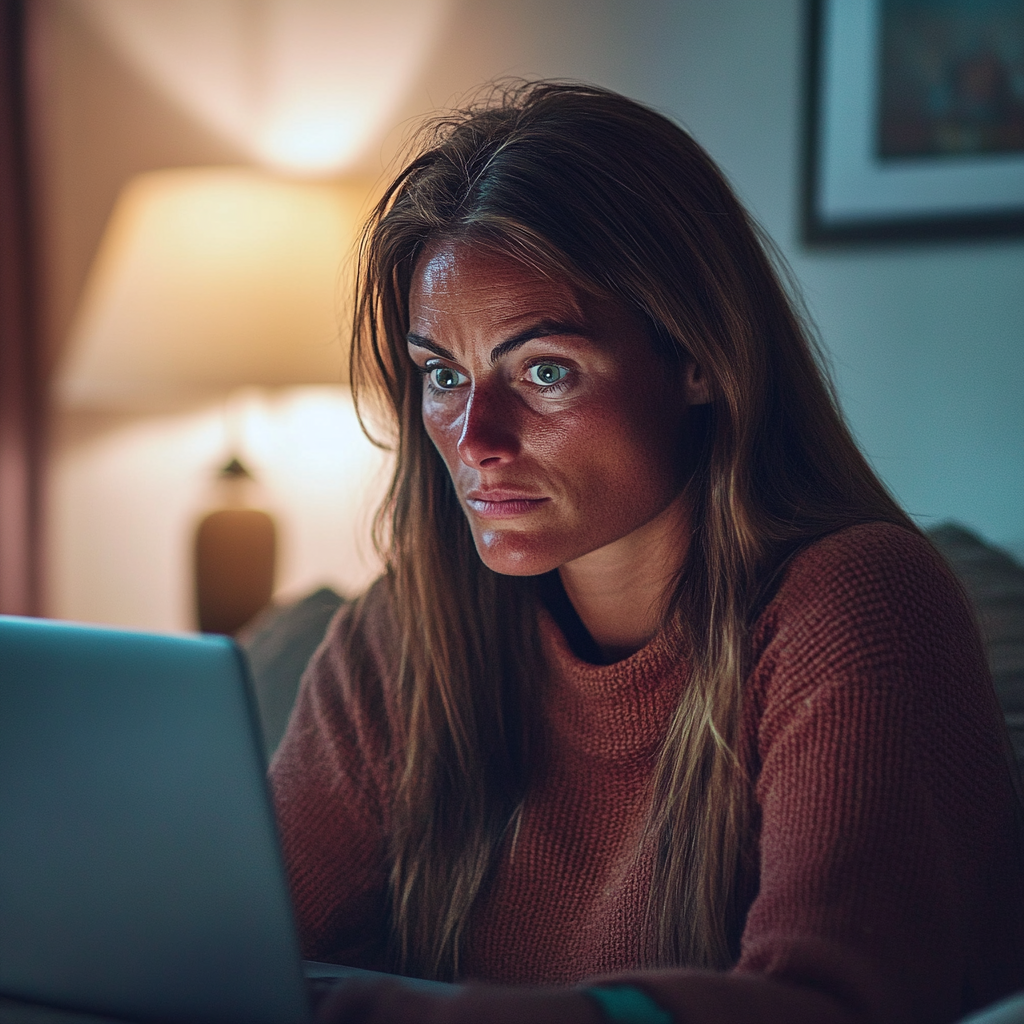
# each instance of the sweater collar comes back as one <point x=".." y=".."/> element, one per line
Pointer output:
<point x="617" y="712"/>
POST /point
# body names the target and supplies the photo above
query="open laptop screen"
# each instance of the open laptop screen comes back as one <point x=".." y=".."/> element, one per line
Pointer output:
<point x="139" y="870"/>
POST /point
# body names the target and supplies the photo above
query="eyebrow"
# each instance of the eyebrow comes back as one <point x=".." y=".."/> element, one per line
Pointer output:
<point x="541" y="329"/>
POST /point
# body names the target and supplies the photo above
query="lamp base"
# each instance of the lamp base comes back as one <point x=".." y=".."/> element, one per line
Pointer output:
<point x="235" y="550"/>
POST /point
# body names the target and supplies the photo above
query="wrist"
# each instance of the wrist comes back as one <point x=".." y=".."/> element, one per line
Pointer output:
<point x="627" y="1004"/>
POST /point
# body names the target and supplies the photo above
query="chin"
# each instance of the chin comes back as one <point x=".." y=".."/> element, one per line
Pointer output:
<point x="515" y="555"/>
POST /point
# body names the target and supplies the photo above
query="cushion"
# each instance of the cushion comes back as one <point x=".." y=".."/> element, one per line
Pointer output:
<point x="994" y="581"/>
<point x="278" y="644"/>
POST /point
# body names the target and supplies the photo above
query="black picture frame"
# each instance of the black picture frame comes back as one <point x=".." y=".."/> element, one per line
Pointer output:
<point x="855" y="192"/>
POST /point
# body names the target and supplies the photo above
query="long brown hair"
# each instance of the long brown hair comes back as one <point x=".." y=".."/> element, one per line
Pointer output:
<point x="599" y="190"/>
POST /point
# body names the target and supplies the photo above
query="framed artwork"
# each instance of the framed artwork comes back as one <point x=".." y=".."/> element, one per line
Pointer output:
<point x="915" y="119"/>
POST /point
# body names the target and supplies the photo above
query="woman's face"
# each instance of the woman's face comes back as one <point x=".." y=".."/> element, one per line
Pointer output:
<point x="562" y="429"/>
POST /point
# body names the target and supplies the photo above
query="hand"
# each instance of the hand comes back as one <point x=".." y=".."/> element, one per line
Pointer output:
<point x="385" y="1001"/>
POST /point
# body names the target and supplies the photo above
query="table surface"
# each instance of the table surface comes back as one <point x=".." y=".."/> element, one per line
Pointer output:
<point x="14" y="1011"/>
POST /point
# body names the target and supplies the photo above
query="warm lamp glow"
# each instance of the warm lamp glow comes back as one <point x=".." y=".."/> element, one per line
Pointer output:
<point x="302" y="85"/>
<point x="309" y="139"/>
<point x="210" y="279"/>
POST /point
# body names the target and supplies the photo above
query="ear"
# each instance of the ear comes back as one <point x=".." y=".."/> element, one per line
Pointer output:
<point x="696" y="388"/>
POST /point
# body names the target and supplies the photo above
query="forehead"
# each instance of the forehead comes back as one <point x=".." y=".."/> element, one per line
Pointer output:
<point x="462" y="279"/>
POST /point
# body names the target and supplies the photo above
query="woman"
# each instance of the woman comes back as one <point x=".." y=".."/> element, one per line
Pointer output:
<point x="660" y="684"/>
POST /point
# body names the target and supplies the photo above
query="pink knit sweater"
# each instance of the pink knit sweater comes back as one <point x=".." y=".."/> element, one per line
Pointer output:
<point x="890" y="883"/>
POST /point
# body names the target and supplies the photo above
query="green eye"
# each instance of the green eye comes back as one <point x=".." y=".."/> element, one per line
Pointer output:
<point x="445" y="378"/>
<point x="546" y="374"/>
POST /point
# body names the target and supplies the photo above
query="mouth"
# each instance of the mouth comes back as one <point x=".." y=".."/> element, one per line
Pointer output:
<point x="502" y="504"/>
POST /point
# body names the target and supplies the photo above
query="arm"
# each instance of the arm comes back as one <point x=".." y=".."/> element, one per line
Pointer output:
<point x="890" y="882"/>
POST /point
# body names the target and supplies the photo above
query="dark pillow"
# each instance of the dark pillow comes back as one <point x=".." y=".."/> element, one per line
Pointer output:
<point x="278" y="644"/>
<point x="995" y="583"/>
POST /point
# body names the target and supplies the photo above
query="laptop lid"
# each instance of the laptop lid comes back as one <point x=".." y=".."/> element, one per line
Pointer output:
<point x="140" y="874"/>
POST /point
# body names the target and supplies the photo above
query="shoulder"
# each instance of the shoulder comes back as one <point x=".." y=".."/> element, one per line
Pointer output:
<point x="865" y="579"/>
<point x="872" y="559"/>
<point x="363" y="635"/>
<point x="346" y="700"/>
<point x="871" y="608"/>
<point x="357" y="664"/>
<point x="869" y="645"/>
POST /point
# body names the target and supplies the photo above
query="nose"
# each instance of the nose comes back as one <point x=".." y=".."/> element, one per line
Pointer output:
<point x="489" y="428"/>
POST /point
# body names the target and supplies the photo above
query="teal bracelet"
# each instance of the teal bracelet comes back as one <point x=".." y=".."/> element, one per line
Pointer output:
<point x="627" y="1004"/>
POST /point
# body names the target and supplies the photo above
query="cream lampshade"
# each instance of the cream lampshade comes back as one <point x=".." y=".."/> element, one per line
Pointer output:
<point x="208" y="280"/>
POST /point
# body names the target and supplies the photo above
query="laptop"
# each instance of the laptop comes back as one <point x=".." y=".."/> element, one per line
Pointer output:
<point x="140" y="872"/>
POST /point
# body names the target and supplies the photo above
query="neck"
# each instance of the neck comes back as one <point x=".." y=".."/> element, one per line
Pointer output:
<point x="620" y="591"/>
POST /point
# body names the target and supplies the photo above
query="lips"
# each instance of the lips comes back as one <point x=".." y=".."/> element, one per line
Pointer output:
<point x="502" y="503"/>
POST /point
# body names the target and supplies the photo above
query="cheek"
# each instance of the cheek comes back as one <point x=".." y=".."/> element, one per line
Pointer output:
<point x="621" y="451"/>
<point x="589" y="440"/>
<point x="443" y="423"/>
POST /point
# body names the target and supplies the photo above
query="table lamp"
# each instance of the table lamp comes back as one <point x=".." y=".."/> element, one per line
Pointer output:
<point x="208" y="280"/>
